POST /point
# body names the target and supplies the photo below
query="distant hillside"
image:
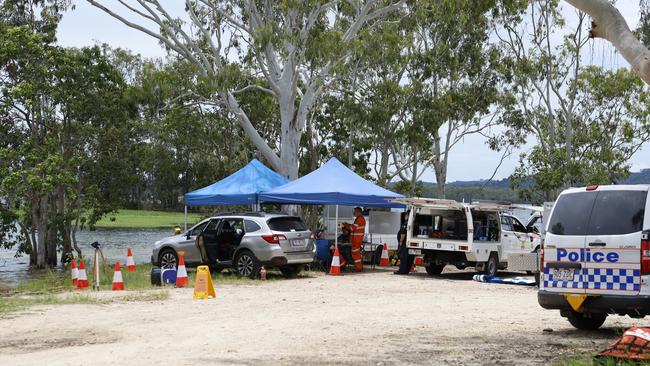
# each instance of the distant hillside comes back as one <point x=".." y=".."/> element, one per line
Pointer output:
<point x="500" y="190"/>
<point x="503" y="183"/>
<point x="642" y="177"/>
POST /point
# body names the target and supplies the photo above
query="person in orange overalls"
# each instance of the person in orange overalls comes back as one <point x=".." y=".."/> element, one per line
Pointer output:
<point x="357" y="231"/>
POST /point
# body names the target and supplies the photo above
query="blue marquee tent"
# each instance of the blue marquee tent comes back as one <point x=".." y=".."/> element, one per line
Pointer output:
<point x="331" y="184"/>
<point x="240" y="188"/>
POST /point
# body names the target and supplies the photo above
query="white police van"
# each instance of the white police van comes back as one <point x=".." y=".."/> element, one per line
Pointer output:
<point x="596" y="254"/>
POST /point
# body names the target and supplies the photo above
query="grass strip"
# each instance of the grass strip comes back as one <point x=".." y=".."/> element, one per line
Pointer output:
<point x="138" y="219"/>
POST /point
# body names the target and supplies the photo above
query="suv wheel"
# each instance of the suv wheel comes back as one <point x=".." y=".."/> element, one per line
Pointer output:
<point x="168" y="258"/>
<point x="586" y="321"/>
<point x="492" y="265"/>
<point x="291" y="271"/>
<point x="434" y="269"/>
<point x="247" y="265"/>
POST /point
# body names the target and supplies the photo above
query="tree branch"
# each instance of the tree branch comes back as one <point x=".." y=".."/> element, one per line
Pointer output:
<point x="608" y="23"/>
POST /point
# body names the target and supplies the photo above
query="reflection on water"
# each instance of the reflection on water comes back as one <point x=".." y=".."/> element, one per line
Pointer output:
<point x="114" y="244"/>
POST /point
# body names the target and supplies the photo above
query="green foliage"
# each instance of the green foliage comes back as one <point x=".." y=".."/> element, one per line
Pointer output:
<point x="609" y="126"/>
<point x="586" y="122"/>
<point x="68" y="125"/>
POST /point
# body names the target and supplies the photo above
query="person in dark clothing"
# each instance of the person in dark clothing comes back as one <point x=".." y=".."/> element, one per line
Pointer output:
<point x="405" y="260"/>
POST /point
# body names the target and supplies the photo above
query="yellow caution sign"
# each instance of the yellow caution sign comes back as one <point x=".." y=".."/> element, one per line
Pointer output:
<point x="576" y="301"/>
<point x="203" y="287"/>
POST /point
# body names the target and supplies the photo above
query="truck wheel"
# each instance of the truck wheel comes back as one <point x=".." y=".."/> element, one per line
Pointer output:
<point x="434" y="269"/>
<point x="492" y="265"/>
<point x="537" y="277"/>
<point x="586" y="321"/>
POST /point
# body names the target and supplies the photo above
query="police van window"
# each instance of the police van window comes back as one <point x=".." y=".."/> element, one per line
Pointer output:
<point x="571" y="213"/>
<point x="617" y="213"/>
<point x="251" y="226"/>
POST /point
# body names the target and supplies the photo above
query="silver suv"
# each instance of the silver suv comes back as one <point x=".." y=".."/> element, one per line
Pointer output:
<point x="243" y="242"/>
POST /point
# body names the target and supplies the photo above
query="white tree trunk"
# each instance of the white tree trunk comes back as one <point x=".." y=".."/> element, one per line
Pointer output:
<point x="608" y="23"/>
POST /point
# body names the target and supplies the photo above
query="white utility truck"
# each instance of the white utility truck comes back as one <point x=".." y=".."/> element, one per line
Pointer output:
<point x="479" y="235"/>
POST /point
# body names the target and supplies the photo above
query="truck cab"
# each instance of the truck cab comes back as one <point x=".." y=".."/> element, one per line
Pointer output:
<point x="479" y="235"/>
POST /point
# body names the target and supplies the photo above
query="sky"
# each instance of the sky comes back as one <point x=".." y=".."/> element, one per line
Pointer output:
<point x="469" y="160"/>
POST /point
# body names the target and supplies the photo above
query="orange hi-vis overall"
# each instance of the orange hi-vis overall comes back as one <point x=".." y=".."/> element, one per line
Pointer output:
<point x="357" y="231"/>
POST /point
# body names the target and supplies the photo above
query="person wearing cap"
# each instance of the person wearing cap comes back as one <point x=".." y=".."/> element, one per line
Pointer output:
<point x="357" y="231"/>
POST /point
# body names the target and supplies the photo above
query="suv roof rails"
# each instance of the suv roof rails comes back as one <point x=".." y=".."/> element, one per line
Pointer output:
<point x="224" y="213"/>
<point x="234" y="213"/>
<point x="278" y="213"/>
<point x="256" y="214"/>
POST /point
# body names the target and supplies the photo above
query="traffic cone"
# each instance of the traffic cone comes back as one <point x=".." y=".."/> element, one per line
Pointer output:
<point x="74" y="272"/>
<point x="130" y="263"/>
<point x="416" y="262"/>
<point x="335" y="268"/>
<point x="181" y="273"/>
<point x="118" y="283"/>
<point x="82" y="279"/>
<point x="384" y="261"/>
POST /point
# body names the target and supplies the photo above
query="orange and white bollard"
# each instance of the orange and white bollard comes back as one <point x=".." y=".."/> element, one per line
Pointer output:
<point x="74" y="272"/>
<point x="384" y="261"/>
<point x="181" y="272"/>
<point x="335" y="268"/>
<point x="82" y="280"/>
<point x="130" y="263"/>
<point x="118" y="282"/>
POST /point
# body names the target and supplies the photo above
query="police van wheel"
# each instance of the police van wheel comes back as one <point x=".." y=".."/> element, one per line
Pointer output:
<point x="492" y="265"/>
<point x="434" y="269"/>
<point x="586" y="321"/>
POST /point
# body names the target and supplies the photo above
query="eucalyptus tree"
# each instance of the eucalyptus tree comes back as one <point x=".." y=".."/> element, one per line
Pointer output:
<point x="455" y="73"/>
<point x="577" y="139"/>
<point x="66" y="124"/>
<point x="293" y="47"/>
<point x="608" y="23"/>
<point x="184" y="143"/>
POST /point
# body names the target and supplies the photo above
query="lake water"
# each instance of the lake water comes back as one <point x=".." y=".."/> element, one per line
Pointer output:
<point x="114" y="244"/>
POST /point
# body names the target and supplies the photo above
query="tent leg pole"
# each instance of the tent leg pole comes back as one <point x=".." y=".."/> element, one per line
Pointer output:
<point x="336" y="227"/>
<point x="185" y="218"/>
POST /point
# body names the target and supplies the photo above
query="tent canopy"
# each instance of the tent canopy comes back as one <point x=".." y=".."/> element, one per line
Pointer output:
<point x="240" y="188"/>
<point x="331" y="184"/>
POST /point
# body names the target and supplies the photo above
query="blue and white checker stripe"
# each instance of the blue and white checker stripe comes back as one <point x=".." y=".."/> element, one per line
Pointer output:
<point x="614" y="279"/>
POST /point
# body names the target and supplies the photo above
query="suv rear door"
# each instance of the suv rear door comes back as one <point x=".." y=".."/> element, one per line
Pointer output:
<point x="592" y="241"/>
<point x="293" y="234"/>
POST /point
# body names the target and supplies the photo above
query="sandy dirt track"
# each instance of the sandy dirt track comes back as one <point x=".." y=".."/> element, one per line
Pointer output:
<point x="374" y="318"/>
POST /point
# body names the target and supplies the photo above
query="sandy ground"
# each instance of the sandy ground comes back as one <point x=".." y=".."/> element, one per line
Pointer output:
<point x="374" y="318"/>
